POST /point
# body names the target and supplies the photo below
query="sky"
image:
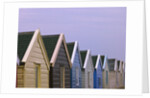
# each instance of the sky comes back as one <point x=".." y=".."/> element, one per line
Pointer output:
<point x="102" y="29"/>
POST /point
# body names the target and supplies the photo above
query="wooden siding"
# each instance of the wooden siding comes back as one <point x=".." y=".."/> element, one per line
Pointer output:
<point x="76" y="64"/>
<point x="120" y="80"/>
<point x="121" y="77"/>
<point x="89" y="68"/>
<point x="105" y="85"/>
<point x="36" y="56"/>
<point x="98" y="75"/>
<point x="112" y="79"/>
<point x="55" y="71"/>
<point x="20" y="76"/>
<point x="117" y="80"/>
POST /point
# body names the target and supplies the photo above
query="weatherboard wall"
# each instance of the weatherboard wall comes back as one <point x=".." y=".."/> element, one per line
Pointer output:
<point x="35" y="58"/>
<point x="76" y="64"/>
<point x="98" y="77"/>
<point x="87" y="74"/>
<point x="61" y="61"/>
<point x="106" y="74"/>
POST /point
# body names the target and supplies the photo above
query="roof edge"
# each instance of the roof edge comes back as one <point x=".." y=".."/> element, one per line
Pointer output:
<point x="56" y="50"/>
<point x="86" y="58"/>
<point x="97" y="61"/>
<point x="74" y="51"/>
<point x="30" y="45"/>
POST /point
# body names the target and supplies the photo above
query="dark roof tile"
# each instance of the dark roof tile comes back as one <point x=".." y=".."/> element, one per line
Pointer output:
<point x="50" y="42"/>
<point x="94" y="59"/>
<point x="70" y="47"/>
<point x="24" y="39"/>
<point x="83" y="56"/>
<point x="111" y="63"/>
<point x="102" y="60"/>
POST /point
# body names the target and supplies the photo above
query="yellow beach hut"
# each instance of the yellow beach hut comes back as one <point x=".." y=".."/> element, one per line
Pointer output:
<point x="33" y="70"/>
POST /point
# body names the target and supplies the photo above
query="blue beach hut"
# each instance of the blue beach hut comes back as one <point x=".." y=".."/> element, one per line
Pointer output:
<point x="74" y="53"/>
<point x="98" y="77"/>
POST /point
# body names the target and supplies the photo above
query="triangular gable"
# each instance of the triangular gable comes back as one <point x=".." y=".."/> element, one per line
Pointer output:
<point x="84" y="56"/>
<point x="53" y="44"/>
<point x="72" y="48"/>
<point x="26" y="41"/>
<point x="96" y="60"/>
<point x="104" y="62"/>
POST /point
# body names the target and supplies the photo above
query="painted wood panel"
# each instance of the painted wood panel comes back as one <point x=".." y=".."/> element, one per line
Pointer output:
<point x="55" y="71"/>
<point x="120" y="75"/>
<point x="106" y="76"/>
<point x="76" y="74"/>
<point x="20" y="76"/>
<point x="88" y="83"/>
<point x="112" y="79"/>
<point x="36" y="56"/>
<point x="98" y="77"/>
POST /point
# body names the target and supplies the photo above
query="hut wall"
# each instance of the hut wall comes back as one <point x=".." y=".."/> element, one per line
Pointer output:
<point x="36" y="59"/>
<point x="98" y="79"/>
<point x="112" y="79"/>
<point x="88" y="74"/>
<point x="76" y="66"/>
<point x="106" y="77"/>
<point x="61" y="61"/>
<point x="20" y="76"/>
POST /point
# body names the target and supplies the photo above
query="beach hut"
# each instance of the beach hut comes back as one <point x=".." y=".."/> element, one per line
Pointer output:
<point x="118" y="74"/>
<point x="112" y="73"/>
<point x="87" y="69"/>
<point x="18" y="63"/>
<point x="105" y="68"/>
<point x="121" y="75"/>
<point x="60" y="63"/>
<point x="98" y="77"/>
<point x="33" y="67"/>
<point x="74" y="53"/>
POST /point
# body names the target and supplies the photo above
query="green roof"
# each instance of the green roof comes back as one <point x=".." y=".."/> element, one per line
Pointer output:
<point x="118" y="64"/>
<point x="50" y="42"/>
<point x="24" y="39"/>
<point x="94" y="59"/>
<point x="70" y="47"/>
<point x="83" y="56"/>
<point x="111" y="63"/>
<point x="102" y="59"/>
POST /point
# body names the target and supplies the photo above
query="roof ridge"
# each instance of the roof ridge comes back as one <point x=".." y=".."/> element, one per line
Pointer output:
<point x="83" y="50"/>
<point x="70" y="43"/>
<point x="24" y="33"/>
<point x="50" y="35"/>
